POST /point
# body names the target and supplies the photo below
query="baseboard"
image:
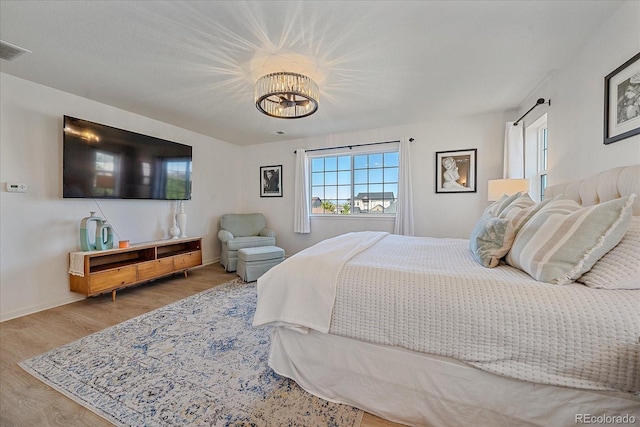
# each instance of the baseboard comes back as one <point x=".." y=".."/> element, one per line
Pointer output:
<point x="211" y="261"/>
<point x="40" y="307"/>
<point x="67" y="300"/>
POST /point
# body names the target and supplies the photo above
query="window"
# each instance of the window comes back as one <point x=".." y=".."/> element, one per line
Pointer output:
<point x="536" y="156"/>
<point x="354" y="184"/>
<point x="543" y="149"/>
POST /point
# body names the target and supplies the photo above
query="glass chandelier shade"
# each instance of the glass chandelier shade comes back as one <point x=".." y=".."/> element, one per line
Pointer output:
<point x="286" y="95"/>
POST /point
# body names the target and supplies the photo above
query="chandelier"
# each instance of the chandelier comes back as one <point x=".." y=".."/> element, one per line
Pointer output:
<point x="286" y="95"/>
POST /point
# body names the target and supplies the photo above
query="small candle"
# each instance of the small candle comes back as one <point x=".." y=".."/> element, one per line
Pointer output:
<point x="123" y="244"/>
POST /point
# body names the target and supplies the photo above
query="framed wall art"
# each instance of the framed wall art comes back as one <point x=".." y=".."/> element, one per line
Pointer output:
<point x="456" y="171"/>
<point x="271" y="181"/>
<point x="622" y="101"/>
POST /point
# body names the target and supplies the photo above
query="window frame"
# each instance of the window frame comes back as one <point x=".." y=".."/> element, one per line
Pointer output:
<point x="543" y="158"/>
<point x="393" y="147"/>
<point x="537" y="156"/>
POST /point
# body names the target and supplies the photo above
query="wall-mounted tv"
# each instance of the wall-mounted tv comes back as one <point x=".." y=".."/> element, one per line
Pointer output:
<point x="103" y="162"/>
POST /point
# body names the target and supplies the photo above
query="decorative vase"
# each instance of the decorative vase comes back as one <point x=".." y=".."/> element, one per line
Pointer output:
<point x="104" y="236"/>
<point x="174" y="231"/>
<point x="85" y="243"/>
<point x="182" y="221"/>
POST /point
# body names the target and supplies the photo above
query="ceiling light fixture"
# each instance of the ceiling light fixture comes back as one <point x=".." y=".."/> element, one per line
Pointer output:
<point x="286" y="95"/>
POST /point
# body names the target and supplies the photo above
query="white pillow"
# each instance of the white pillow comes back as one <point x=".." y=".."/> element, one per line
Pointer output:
<point x="564" y="240"/>
<point x="620" y="267"/>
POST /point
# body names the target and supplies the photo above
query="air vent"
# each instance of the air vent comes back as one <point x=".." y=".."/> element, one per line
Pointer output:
<point x="9" y="52"/>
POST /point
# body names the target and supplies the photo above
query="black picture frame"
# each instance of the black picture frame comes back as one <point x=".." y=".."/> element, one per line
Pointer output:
<point x="271" y="181"/>
<point x="622" y="101"/>
<point x="457" y="171"/>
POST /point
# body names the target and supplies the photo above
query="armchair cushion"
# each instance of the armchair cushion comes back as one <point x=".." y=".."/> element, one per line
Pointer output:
<point x="250" y="242"/>
<point x="267" y="232"/>
<point x="243" y="225"/>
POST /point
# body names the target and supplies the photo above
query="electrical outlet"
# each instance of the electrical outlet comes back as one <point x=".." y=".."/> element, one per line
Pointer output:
<point x="15" y="187"/>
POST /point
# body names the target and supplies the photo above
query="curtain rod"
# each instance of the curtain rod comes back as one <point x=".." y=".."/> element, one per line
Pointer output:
<point x="538" y="102"/>
<point x="351" y="146"/>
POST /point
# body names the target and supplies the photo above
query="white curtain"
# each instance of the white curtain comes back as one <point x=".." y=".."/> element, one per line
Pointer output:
<point x="513" y="151"/>
<point x="301" y="221"/>
<point x="404" y="204"/>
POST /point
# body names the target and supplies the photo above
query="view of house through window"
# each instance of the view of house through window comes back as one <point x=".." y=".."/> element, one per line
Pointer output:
<point x="536" y="156"/>
<point x="354" y="184"/>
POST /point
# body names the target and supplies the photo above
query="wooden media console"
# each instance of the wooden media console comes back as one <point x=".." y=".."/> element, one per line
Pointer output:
<point x="113" y="269"/>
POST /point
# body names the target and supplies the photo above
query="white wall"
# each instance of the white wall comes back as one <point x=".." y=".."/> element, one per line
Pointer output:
<point x="38" y="228"/>
<point x="576" y="115"/>
<point x="576" y="149"/>
<point x="438" y="215"/>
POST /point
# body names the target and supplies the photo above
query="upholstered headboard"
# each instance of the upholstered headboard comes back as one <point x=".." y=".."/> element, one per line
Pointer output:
<point x="610" y="184"/>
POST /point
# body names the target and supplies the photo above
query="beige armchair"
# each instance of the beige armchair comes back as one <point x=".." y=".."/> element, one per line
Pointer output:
<point x="238" y="231"/>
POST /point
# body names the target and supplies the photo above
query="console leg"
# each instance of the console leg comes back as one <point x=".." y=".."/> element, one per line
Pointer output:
<point x="113" y="295"/>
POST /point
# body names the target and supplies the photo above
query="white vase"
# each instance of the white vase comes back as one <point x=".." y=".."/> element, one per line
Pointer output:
<point x="182" y="221"/>
<point x="174" y="231"/>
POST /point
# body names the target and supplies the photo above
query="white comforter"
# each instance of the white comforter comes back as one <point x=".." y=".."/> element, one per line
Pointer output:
<point x="428" y="295"/>
<point x="284" y="302"/>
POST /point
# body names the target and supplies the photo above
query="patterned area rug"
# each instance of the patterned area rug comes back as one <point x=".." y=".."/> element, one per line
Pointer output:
<point x="194" y="362"/>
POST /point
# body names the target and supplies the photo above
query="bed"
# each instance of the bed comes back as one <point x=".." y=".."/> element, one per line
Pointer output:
<point x="445" y="332"/>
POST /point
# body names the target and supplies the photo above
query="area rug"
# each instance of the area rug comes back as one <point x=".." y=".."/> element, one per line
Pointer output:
<point x="194" y="362"/>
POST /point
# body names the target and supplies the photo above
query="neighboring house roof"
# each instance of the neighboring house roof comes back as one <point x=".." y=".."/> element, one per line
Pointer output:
<point x="379" y="195"/>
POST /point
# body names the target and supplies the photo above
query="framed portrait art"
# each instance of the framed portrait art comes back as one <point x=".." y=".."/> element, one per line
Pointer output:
<point x="271" y="181"/>
<point x="456" y="171"/>
<point x="622" y="101"/>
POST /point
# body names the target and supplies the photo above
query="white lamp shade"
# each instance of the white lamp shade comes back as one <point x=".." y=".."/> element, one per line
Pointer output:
<point x="499" y="187"/>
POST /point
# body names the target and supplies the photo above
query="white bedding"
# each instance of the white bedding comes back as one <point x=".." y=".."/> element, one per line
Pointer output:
<point x="285" y="303"/>
<point x="428" y="295"/>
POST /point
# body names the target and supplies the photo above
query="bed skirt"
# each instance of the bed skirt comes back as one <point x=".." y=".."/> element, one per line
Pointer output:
<point x="423" y="390"/>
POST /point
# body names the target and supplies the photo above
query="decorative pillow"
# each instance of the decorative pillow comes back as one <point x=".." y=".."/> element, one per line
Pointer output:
<point x="521" y="202"/>
<point x="491" y="239"/>
<point x="620" y="267"/>
<point x="498" y="206"/>
<point x="522" y="210"/>
<point x="564" y="240"/>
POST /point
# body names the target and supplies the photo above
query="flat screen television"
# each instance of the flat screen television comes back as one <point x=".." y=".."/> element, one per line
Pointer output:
<point x="103" y="162"/>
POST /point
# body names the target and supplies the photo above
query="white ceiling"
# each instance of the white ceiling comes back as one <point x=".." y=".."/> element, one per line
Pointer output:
<point x="377" y="63"/>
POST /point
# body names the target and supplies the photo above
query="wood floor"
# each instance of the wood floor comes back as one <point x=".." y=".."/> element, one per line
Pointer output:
<point x="25" y="401"/>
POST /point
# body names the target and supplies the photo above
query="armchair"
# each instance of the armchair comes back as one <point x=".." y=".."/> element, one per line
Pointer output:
<point x="238" y="231"/>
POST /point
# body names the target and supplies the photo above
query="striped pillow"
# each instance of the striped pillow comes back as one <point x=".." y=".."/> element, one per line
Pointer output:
<point x="521" y="202"/>
<point x="522" y="210"/>
<point x="499" y="205"/>
<point x="563" y="240"/>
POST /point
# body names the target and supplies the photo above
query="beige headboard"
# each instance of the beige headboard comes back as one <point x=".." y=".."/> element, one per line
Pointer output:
<point x="607" y="185"/>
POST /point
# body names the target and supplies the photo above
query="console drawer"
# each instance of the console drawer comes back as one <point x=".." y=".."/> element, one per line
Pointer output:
<point x="156" y="268"/>
<point x="112" y="279"/>
<point x="185" y="261"/>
